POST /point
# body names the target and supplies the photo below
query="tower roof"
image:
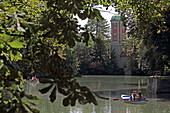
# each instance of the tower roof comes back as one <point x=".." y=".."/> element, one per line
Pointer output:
<point x="117" y="17"/>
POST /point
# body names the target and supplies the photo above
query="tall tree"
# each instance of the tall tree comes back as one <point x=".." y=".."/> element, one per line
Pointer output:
<point x="130" y="47"/>
<point x="154" y="34"/>
<point x="100" y="50"/>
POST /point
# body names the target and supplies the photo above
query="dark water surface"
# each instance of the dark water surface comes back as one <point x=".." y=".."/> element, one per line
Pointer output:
<point x="108" y="87"/>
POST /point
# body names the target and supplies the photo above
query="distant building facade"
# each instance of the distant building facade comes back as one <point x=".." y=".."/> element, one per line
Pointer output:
<point x="118" y="35"/>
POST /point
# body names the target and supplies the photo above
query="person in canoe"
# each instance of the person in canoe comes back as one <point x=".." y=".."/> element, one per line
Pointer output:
<point x="140" y="96"/>
<point x="133" y="96"/>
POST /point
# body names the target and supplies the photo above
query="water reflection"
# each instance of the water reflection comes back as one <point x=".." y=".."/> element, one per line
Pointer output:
<point x="75" y="110"/>
<point x="109" y="87"/>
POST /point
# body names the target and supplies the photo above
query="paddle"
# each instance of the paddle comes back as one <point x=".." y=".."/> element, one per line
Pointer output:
<point x="120" y="99"/>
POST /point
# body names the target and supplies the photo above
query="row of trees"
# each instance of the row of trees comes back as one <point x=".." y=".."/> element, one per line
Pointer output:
<point x="97" y="58"/>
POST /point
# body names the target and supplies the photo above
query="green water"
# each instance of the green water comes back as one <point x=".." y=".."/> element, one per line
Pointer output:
<point x="110" y="87"/>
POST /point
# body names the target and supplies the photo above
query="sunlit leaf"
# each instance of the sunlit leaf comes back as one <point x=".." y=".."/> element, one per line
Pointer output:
<point x="31" y="97"/>
<point x="4" y="37"/>
<point x="159" y="31"/>
<point x="16" y="56"/>
<point x="16" y="44"/>
<point x="1" y="45"/>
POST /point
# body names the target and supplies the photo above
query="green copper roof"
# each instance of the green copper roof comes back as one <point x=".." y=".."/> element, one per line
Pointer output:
<point x="116" y="17"/>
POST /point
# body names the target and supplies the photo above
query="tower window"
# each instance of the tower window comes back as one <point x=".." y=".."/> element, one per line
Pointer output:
<point x="115" y="26"/>
<point x="115" y="36"/>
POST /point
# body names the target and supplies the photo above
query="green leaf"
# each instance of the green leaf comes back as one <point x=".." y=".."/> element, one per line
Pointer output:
<point x="53" y="95"/>
<point x="86" y="37"/>
<point x="1" y="45"/>
<point x="6" y="102"/>
<point x="33" y="110"/>
<point x="46" y="80"/>
<point x="83" y="15"/>
<point x="31" y="97"/>
<point x="92" y="98"/>
<point x="15" y="56"/>
<point x="98" y="14"/>
<point x="63" y="91"/>
<point x="4" y="37"/>
<point x="66" y="101"/>
<point x="71" y="43"/>
<point x="16" y="44"/>
<point x="82" y="100"/>
<point x="89" y="44"/>
<point x="73" y="100"/>
<point x="46" y="89"/>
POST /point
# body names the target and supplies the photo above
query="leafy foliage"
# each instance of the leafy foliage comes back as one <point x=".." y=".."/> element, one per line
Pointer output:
<point x="148" y="21"/>
<point x="97" y="58"/>
<point x="145" y="11"/>
<point x="33" y="35"/>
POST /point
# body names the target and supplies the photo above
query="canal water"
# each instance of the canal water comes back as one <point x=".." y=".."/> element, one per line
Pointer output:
<point x="109" y="87"/>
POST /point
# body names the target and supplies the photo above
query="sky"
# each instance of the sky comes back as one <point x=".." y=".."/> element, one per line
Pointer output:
<point x="107" y="14"/>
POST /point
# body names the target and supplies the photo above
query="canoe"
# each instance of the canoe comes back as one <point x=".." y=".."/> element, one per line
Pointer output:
<point x="136" y="102"/>
<point x="127" y="99"/>
<point x="125" y="96"/>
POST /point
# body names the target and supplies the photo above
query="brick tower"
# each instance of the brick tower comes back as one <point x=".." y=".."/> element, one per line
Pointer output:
<point x="117" y="36"/>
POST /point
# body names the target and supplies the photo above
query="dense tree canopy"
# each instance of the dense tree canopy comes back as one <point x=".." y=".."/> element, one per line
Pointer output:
<point x="148" y="22"/>
<point x="33" y="35"/>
